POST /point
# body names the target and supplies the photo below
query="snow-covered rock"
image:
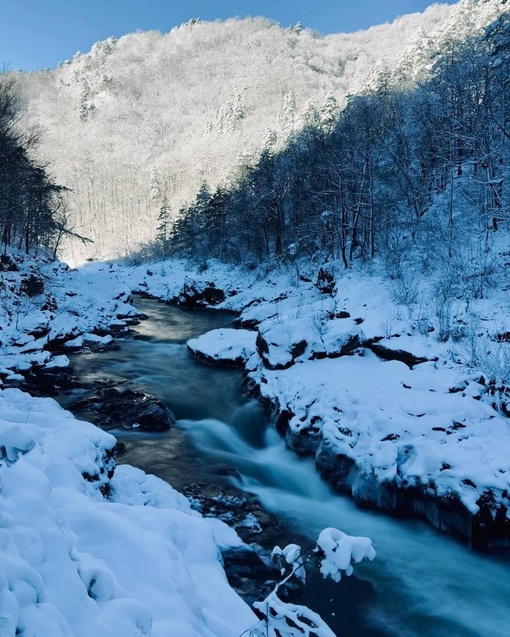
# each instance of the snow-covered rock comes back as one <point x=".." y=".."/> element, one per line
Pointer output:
<point x="96" y="343"/>
<point x="224" y="346"/>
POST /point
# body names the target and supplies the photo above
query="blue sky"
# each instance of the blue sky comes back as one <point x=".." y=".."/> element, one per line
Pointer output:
<point x="37" y="34"/>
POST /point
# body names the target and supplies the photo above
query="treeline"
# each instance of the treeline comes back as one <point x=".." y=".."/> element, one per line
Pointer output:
<point x="32" y="211"/>
<point x="424" y="167"/>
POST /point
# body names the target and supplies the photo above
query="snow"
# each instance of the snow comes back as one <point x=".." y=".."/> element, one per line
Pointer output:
<point x="58" y="361"/>
<point x="75" y="305"/>
<point x="95" y="339"/>
<point x="396" y="424"/>
<point x="74" y="343"/>
<point x="286" y="618"/>
<point x="77" y="563"/>
<point x="292" y="555"/>
<point x="400" y="421"/>
<point x="225" y="344"/>
<point x="340" y="550"/>
<point x="335" y="552"/>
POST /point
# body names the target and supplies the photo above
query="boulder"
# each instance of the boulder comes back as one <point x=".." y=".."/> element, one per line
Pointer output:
<point x="325" y="281"/>
<point x="95" y="343"/>
<point x="247" y="574"/>
<point x="74" y="345"/>
<point x="393" y="354"/>
<point x="305" y="440"/>
<point x="50" y="379"/>
<point x="8" y="264"/>
<point x="224" y="347"/>
<point x="129" y="409"/>
<point x="32" y="285"/>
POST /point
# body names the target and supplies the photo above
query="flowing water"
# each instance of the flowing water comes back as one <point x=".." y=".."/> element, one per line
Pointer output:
<point x="426" y="584"/>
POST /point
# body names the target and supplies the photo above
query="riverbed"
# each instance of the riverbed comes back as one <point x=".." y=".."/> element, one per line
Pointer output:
<point x="421" y="583"/>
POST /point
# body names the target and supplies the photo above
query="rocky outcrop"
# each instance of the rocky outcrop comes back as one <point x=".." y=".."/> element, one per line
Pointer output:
<point x="200" y="295"/>
<point x="278" y="356"/>
<point x="307" y="438"/>
<point x="96" y="344"/>
<point x="225" y="363"/>
<point x="32" y="285"/>
<point x="50" y="379"/>
<point x="250" y="577"/>
<point x="242" y="511"/>
<point x="8" y="263"/>
<point x="248" y="574"/>
<point x="263" y="347"/>
<point x="488" y="528"/>
<point x="41" y="376"/>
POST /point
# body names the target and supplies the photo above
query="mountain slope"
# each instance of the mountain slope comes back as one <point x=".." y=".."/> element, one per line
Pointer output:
<point x="150" y="117"/>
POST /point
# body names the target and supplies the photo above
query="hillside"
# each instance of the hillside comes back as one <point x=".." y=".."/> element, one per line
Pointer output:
<point x="151" y="116"/>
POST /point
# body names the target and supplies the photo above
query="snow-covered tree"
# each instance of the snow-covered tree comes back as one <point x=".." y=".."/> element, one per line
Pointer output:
<point x="29" y="198"/>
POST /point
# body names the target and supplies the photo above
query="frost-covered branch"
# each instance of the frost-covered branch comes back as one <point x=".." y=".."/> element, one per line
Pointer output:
<point x="333" y="553"/>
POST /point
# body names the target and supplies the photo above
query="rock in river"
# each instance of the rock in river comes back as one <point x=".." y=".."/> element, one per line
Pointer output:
<point x="112" y="408"/>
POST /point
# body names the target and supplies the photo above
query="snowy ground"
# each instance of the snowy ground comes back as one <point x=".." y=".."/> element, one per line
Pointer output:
<point x="64" y="305"/>
<point x="139" y="562"/>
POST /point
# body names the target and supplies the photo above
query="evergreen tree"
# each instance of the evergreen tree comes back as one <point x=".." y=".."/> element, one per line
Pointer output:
<point x="163" y="230"/>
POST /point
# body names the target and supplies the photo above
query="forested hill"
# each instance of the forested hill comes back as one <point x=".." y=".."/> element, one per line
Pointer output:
<point x="142" y="122"/>
<point x="408" y="174"/>
<point x="153" y="116"/>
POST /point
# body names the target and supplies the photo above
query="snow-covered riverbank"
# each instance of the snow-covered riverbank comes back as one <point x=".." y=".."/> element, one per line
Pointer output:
<point x="91" y="548"/>
<point x="88" y="548"/>
<point x="391" y="413"/>
<point x="387" y="403"/>
<point x="74" y="562"/>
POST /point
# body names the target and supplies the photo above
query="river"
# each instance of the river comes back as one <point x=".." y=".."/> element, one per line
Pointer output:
<point x="421" y="584"/>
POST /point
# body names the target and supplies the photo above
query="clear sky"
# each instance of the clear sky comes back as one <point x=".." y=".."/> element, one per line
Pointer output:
<point x="37" y="34"/>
